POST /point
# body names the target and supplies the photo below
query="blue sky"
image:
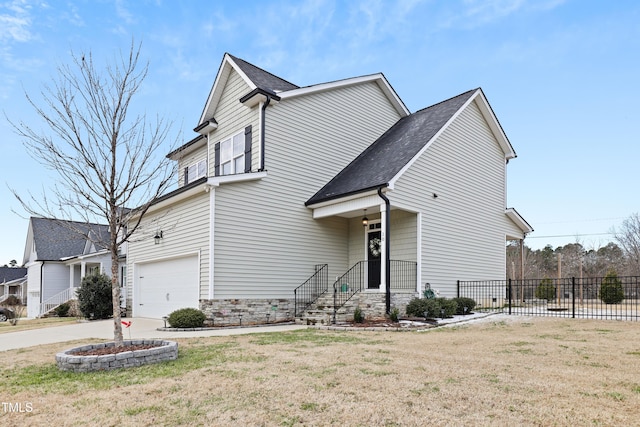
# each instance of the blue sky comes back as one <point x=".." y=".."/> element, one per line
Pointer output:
<point x="562" y="77"/>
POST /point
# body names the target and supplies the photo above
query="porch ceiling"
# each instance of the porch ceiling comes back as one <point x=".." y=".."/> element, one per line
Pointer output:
<point x="348" y="207"/>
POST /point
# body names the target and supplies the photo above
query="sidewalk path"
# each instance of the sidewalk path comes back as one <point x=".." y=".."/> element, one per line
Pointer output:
<point x="141" y="328"/>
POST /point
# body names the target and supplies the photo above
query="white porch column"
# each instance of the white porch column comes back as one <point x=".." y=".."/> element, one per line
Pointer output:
<point x="419" y="253"/>
<point x="83" y="269"/>
<point x="71" y="269"/>
<point x="383" y="246"/>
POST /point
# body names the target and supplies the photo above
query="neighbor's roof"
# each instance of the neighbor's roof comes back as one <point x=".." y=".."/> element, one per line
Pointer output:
<point x="8" y="274"/>
<point x="384" y="159"/>
<point x="56" y="239"/>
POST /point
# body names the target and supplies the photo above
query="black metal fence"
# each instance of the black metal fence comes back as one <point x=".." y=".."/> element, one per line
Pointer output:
<point x="598" y="298"/>
<point x="307" y="293"/>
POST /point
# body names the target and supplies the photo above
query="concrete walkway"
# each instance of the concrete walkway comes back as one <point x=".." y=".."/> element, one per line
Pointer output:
<point x="141" y="328"/>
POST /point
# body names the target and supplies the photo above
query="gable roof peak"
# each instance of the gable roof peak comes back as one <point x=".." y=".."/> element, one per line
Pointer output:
<point x="56" y="239"/>
<point x="261" y="78"/>
<point x="382" y="162"/>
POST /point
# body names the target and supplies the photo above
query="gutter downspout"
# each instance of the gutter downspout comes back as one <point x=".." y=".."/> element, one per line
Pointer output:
<point x="262" y="127"/>
<point x="41" y="290"/>
<point x="387" y="250"/>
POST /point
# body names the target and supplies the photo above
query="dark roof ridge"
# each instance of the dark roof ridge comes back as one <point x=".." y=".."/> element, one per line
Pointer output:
<point x="70" y="221"/>
<point x="236" y="59"/>
<point x="448" y="99"/>
<point x="405" y="139"/>
<point x="339" y="80"/>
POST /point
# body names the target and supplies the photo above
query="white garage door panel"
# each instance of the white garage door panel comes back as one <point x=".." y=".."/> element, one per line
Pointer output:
<point x="165" y="286"/>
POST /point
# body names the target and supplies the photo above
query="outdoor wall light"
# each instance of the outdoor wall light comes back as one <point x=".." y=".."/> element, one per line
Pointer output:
<point x="158" y="237"/>
<point x="365" y="220"/>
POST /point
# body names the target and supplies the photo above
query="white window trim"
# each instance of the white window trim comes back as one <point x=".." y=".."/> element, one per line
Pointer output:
<point x="197" y="168"/>
<point x="233" y="158"/>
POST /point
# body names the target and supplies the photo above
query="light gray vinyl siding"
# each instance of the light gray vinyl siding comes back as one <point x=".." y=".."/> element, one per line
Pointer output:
<point x="511" y="228"/>
<point x="403" y="236"/>
<point x="266" y="241"/>
<point x="463" y="229"/>
<point x="356" y="238"/>
<point x="33" y="277"/>
<point x="233" y="117"/>
<point x="188" y="160"/>
<point x="56" y="278"/>
<point x="185" y="229"/>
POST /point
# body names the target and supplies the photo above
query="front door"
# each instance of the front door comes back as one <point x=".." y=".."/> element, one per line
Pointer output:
<point x="374" y="249"/>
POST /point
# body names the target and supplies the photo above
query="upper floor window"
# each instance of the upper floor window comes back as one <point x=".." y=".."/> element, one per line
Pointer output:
<point x="195" y="171"/>
<point x="233" y="155"/>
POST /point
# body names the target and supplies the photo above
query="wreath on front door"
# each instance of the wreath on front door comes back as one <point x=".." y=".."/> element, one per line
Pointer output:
<point x="374" y="247"/>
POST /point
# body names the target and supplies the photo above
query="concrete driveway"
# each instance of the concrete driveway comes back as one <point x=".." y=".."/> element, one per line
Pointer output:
<point x="141" y="328"/>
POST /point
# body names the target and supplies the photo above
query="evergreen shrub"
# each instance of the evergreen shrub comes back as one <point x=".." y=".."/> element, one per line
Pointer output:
<point x="186" y="318"/>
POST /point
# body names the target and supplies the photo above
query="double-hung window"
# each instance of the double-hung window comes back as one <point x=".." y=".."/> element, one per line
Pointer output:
<point x="195" y="171"/>
<point x="233" y="155"/>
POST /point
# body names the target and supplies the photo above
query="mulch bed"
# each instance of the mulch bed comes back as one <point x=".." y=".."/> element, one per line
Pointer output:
<point x="113" y="350"/>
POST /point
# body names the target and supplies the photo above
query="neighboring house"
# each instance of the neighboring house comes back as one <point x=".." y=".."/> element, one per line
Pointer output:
<point x="57" y="255"/>
<point x="12" y="282"/>
<point x="274" y="190"/>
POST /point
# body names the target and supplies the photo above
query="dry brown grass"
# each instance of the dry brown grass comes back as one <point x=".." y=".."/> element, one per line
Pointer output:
<point x="26" y="324"/>
<point x="532" y="372"/>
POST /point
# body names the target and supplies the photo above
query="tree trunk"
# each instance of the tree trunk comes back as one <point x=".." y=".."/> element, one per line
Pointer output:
<point x="115" y="285"/>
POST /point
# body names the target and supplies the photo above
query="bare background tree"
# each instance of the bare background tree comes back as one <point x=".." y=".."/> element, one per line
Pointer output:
<point x="576" y="260"/>
<point x="629" y="239"/>
<point x="107" y="160"/>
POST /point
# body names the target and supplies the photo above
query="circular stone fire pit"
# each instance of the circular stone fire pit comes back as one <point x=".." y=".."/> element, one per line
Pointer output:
<point x="162" y="351"/>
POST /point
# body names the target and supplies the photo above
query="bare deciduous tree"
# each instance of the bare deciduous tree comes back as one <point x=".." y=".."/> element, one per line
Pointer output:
<point x="106" y="158"/>
<point x="629" y="239"/>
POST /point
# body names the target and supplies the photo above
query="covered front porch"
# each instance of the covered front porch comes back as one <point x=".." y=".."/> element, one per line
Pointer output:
<point x="383" y="251"/>
<point x="79" y="267"/>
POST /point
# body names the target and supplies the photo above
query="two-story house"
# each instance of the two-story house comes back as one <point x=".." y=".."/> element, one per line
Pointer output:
<point x="337" y="182"/>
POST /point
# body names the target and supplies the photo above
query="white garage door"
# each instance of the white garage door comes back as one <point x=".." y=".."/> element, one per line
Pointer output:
<point x="165" y="286"/>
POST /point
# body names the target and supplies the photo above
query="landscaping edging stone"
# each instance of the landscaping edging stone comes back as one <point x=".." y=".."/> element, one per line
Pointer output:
<point x="165" y="350"/>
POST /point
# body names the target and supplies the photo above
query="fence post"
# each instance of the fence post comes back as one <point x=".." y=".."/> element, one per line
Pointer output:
<point x="573" y="297"/>
<point x="509" y="294"/>
<point x="295" y="302"/>
<point x="335" y="296"/>
<point x="458" y="289"/>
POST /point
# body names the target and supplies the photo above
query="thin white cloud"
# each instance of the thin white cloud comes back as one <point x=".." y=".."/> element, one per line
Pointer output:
<point x="472" y="14"/>
<point x="483" y="11"/>
<point x="16" y="22"/>
<point x="123" y="13"/>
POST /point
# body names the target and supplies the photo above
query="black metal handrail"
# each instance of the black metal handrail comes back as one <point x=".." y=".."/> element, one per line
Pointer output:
<point x="403" y="277"/>
<point x="348" y="285"/>
<point x="307" y="293"/>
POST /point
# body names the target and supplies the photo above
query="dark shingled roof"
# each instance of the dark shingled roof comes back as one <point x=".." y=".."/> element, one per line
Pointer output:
<point x="261" y="78"/>
<point x="56" y="239"/>
<point x="383" y="159"/>
<point x="8" y="274"/>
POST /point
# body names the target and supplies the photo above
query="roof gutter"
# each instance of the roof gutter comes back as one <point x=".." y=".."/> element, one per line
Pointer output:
<point x="387" y="249"/>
